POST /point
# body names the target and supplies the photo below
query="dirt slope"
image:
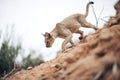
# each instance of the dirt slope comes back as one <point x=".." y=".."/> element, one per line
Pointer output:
<point x="95" y="57"/>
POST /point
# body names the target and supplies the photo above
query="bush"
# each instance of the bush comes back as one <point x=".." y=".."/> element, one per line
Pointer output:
<point x="9" y="53"/>
<point x="7" y="57"/>
<point x="29" y="61"/>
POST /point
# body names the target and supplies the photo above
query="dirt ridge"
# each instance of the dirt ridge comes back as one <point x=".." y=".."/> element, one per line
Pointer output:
<point x="95" y="57"/>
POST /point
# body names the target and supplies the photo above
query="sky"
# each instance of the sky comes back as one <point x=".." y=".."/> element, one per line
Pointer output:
<point x="33" y="17"/>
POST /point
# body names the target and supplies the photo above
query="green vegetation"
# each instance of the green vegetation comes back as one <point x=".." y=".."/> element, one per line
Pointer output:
<point x="7" y="57"/>
<point x="9" y="52"/>
<point x="29" y="61"/>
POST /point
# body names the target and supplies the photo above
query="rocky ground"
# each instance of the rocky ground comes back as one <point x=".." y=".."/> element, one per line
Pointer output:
<point x="95" y="57"/>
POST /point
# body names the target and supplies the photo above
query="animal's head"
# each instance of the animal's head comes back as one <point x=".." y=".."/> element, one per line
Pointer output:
<point x="48" y="39"/>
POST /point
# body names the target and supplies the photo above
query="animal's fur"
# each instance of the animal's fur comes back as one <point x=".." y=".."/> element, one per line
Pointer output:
<point x="67" y="27"/>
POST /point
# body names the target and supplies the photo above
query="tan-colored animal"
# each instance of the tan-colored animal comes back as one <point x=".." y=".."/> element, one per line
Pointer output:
<point x="67" y="27"/>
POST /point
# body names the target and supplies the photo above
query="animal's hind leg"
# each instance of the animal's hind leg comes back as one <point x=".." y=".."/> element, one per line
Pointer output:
<point x="88" y="25"/>
<point x="84" y="23"/>
<point x="81" y="34"/>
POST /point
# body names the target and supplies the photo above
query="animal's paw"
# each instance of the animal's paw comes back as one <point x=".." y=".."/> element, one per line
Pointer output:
<point x="96" y="28"/>
<point x="81" y="37"/>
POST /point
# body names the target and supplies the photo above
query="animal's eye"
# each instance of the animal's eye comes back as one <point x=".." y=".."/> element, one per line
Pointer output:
<point x="48" y="38"/>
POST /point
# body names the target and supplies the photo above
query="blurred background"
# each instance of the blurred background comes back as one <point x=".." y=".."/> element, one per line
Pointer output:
<point x="23" y="21"/>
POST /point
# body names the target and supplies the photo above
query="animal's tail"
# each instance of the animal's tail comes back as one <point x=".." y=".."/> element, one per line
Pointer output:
<point x="87" y="8"/>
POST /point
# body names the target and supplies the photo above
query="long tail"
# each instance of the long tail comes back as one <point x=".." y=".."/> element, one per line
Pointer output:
<point x="87" y="8"/>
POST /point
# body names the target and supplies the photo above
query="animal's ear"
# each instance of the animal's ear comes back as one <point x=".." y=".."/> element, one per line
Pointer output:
<point x="42" y="34"/>
<point x="48" y="34"/>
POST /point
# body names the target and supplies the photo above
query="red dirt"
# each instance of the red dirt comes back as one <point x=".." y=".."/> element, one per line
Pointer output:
<point x="95" y="57"/>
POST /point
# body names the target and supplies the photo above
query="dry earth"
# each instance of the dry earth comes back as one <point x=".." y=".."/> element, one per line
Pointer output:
<point x="95" y="57"/>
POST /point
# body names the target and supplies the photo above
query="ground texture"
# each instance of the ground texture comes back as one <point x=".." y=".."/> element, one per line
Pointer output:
<point x="95" y="57"/>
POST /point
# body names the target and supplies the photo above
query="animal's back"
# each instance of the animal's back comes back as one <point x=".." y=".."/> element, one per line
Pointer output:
<point x="70" y="19"/>
<point x="71" y="22"/>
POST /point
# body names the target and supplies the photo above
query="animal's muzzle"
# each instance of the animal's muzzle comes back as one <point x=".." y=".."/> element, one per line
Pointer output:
<point x="48" y="45"/>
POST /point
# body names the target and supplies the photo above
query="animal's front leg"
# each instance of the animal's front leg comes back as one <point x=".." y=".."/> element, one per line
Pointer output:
<point x="67" y="39"/>
<point x="72" y="42"/>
